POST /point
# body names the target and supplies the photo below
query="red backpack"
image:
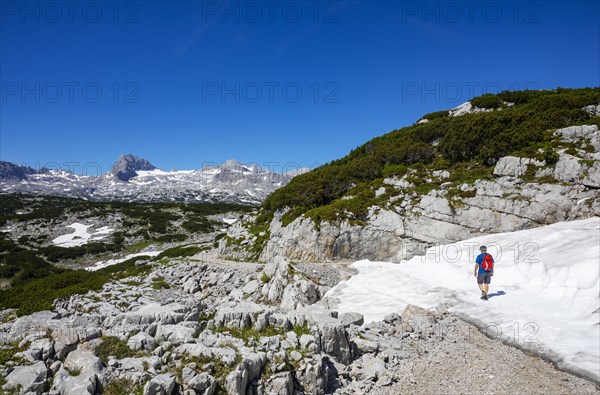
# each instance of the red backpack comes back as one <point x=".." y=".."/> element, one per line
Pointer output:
<point x="487" y="262"/>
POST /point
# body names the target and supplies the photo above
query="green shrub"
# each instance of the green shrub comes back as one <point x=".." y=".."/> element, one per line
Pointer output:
<point x="8" y="351"/>
<point x="550" y="155"/>
<point x="394" y="170"/>
<point x="113" y="346"/>
<point x="264" y="278"/>
<point x="200" y="225"/>
<point x="435" y="115"/>
<point x="488" y="101"/>
<point x="300" y="330"/>
<point x="38" y="294"/>
<point x="122" y="386"/>
<point x="179" y="252"/>
<point x="159" y="282"/>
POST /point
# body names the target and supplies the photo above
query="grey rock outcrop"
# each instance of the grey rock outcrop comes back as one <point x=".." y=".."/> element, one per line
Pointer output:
<point x="141" y="341"/>
<point x="333" y="341"/>
<point x="277" y="273"/>
<point x="582" y="133"/>
<point x="28" y="379"/>
<point x="592" y="176"/>
<point x="280" y="384"/>
<point x="238" y="381"/>
<point x="163" y="384"/>
<point x="348" y="319"/>
<point x="568" y="168"/>
<point x="79" y="375"/>
<point x="299" y="293"/>
<point x="203" y="383"/>
<point x="514" y="166"/>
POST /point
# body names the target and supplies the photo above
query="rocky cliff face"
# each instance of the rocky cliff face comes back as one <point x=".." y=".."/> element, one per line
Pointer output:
<point x="524" y="193"/>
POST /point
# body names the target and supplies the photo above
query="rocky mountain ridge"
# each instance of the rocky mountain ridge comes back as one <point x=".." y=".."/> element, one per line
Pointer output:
<point x="136" y="179"/>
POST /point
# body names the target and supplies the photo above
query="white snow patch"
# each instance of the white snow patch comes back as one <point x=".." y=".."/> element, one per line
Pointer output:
<point x="102" y="264"/>
<point x="229" y="220"/>
<point x="544" y="294"/>
<point x="81" y="235"/>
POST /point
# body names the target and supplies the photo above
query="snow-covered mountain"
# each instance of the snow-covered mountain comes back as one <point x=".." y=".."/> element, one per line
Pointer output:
<point x="136" y="179"/>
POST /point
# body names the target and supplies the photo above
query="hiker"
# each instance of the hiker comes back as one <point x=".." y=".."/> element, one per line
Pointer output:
<point x="484" y="270"/>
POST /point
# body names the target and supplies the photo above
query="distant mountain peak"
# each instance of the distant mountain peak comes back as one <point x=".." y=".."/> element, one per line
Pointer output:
<point x="127" y="166"/>
<point x="231" y="163"/>
<point x="12" y="171"/>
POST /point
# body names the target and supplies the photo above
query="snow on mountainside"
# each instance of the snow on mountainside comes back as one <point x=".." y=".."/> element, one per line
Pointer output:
<point x="135" y="179"/>
<point x="544" y="295"/>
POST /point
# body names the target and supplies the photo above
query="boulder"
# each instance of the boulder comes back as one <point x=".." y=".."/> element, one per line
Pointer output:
<point x="168" y="314"/>
<point x="277" y="272"/>
<point x="65" y="340"/>
<point x="280" y="384"/>
<point x="175" y="334"/>
<point x="82" y="384"/>
<point x="364" y="346"/>
<point x="514" y="166"/>
<point x="348" y="319"/>
<point x="202" y="384"/>
<point x="312" y="375"/>
<point x="162" y="384"/>
<point x="78" y="375"/>
<point x="592" y="176"/>
<point x="568" y="168"/>
<point x="333" y="341"/>
<point x="30" y="379"/>
<point x="39" y="350"/>
<point x="37" y="323"/>
<point x="300" y="293"/>
<point x="238" y="315"/>
<point x="141" y="341"/>
<point x="237" y="382"/>
<point x="368" y="368"/>
<point x="83" y="362"/>
<point x="191" y="286"/>
<point x="250" y="287"/>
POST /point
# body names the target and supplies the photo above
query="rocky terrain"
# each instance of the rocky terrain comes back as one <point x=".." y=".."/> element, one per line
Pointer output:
<point x="216" y="327"/>
<point x="522" y="192"/>
<point x="135" y="179"/>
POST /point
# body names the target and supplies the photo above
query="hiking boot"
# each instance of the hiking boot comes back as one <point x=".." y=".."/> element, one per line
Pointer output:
<point x="484" y="297"/>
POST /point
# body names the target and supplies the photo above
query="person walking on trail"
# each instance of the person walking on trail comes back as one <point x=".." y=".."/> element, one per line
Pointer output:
<point x="484" y="270"/>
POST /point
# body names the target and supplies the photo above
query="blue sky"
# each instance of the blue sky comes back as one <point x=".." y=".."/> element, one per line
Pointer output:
<point x="192" y="82"/>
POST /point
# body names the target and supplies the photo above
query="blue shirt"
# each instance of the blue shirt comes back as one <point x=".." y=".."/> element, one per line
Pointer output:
<point x="478" y="261"/>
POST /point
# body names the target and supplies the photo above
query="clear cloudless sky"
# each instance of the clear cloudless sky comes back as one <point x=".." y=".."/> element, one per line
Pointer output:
<point x="183" y="83"/>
